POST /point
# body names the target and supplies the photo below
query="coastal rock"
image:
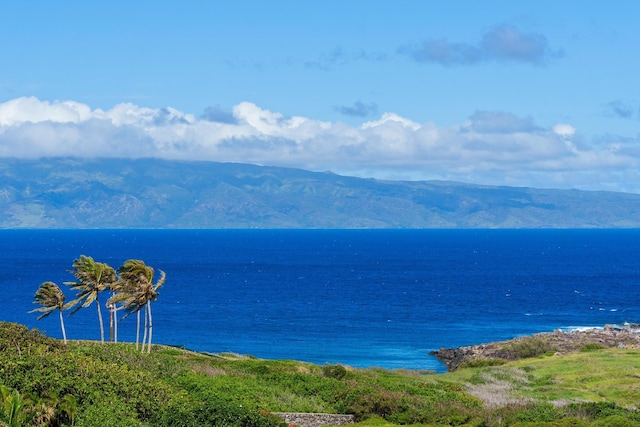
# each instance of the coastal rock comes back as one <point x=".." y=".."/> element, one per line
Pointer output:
<point x="559" y="341"/>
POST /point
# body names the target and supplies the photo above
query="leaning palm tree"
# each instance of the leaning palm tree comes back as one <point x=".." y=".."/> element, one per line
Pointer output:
<point x="135" y="290"/>
<point x="51" y="297"/>
<point x="150" y="292"/>
<point x="92" y="278"/>
<point x="127" y="291"/>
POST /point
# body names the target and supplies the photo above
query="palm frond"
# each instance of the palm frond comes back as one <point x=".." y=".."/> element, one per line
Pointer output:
<point x="44" y="310"/>
<point x="50" y="297"/>
<point x="92" y="278"/>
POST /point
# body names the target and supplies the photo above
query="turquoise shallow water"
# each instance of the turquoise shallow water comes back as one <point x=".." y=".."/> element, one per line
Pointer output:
<point x="359" y="297"/>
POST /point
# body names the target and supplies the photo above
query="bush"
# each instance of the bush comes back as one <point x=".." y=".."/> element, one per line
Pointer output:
<point x="592" y="347"/>
<point x="567" y="422"/>
<point x="539" y="412"/>
<point x="107" y="412"/>
<point x="614" y="421"/>
<point x="532" y="346"/>
<point x="334" y="371"/>
<point x="18" y="339"/>
<point x="529" y="414"/>
<point x="601" y="410"/>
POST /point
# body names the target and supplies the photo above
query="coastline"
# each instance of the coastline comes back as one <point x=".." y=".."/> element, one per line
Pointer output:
<point x="558" y="342"/>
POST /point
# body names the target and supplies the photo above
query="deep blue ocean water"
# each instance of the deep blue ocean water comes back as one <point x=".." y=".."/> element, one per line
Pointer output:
<point x="358" y="297"/>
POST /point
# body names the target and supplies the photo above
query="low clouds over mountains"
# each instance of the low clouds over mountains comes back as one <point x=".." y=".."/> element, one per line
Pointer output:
<point x="489" y="147"/>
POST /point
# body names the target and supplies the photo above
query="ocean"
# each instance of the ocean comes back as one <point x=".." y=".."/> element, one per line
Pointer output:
<point x="364" y="298"/>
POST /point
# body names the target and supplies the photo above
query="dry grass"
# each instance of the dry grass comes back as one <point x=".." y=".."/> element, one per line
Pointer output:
<point x="206" y="369"/>
<point x="497" y="387"/>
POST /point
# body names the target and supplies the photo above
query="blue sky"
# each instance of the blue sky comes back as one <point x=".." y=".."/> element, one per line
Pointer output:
<point x="525" y="93"/>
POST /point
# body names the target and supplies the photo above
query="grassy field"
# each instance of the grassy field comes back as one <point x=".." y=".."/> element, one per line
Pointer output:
<point x="599" y="375"/>
<point x="92" y="384"/>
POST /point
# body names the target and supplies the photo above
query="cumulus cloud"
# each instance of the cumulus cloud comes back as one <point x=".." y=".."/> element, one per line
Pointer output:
<point x="489" y="147"/>
<point x="358" y="109"/>
<point x="502" y="43"/>
<point x="29" y="109"/>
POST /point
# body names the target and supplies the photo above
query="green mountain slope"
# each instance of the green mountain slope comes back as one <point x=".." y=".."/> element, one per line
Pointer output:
<point x="152" y="193"/>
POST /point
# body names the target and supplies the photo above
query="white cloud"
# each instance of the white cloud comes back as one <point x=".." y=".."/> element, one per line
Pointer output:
<point x="564" y="130"/>
<point x="388" y="118"/>
<point x="33" y="110"/>
<point x="489" y="147"/>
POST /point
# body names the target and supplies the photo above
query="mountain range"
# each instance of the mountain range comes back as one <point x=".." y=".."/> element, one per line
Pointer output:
<point x="153" y="193"/>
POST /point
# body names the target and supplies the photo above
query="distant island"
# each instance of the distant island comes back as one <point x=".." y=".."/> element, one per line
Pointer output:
<point x="153" y="193"/>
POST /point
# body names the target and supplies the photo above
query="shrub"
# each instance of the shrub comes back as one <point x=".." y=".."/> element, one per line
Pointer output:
<point x="532" y="346"/>
<point x="567" y="422"/>
<point x="528" y="414"/>
<point x="18" y="339"/>
<point x="614" y="421"/>
<point x="334" y="371"/>
<point x="592" y="347"/>
<point x="367" y="401"/>
<point x="539" y="412"/>
<point x="601" y="410"/>
<point x="107" y="412"/>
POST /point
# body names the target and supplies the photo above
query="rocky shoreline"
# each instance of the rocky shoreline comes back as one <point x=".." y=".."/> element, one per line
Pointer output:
<point x="559" y="341"/>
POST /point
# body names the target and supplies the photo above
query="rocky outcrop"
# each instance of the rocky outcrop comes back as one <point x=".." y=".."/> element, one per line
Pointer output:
<point x="559" y="341"/>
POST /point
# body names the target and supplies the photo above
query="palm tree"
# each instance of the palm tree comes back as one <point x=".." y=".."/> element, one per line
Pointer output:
<point x="51" y="410"/>
<point x="135" y="290"/>
<point x="150" y="292"/>
<point x="14" y="408"/>
<point x="92" y="278"/>
<point x="127" y="292"/>
<point x="51" y="297"/>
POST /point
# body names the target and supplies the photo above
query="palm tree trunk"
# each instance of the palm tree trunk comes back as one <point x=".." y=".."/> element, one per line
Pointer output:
<point x="111" y="329"/>
<point x="150" y="327"/>
<point x="100" y="320"/>
<point x="64" y="332"/>
<point x="138" y="330"/>
<point x="146" y="328"/>
<point x="115" y="322"/>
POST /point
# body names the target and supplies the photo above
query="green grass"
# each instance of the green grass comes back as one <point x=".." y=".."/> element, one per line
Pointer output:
<point x="116" y="385"/>
<point x="606" y="375"/>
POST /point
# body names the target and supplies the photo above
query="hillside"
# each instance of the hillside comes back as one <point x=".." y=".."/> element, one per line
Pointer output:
<point x="151" y="193"/>
<point x="44" y="382"/>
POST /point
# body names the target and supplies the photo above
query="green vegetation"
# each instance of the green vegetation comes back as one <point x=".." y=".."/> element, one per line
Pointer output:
<point x="45" y="382"/>
<point x="585" y="385"/>
<point x="592" y="347"/>
<point x="532" y="346"/>
<point x="116" y="385"/>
